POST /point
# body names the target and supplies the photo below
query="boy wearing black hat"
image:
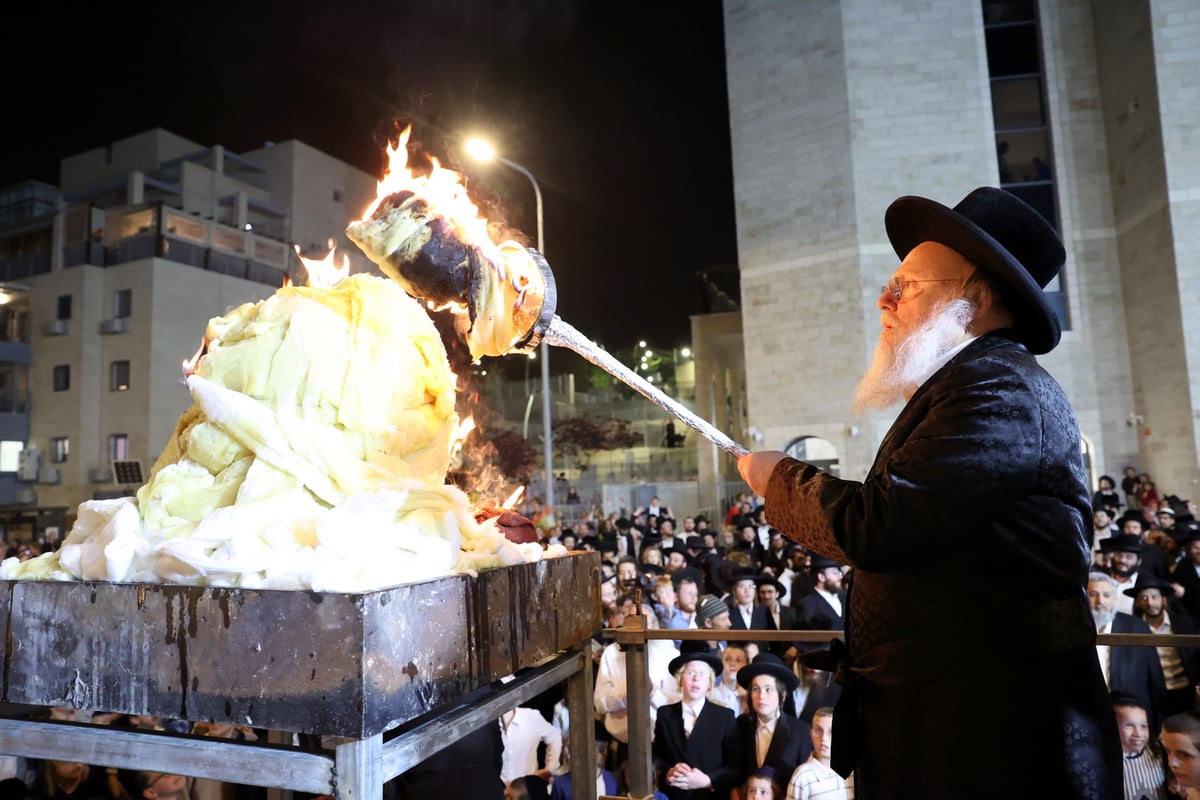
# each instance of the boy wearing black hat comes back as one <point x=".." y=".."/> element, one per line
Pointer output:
<point x="766" y="736"/>
<point x="982" y="465"/>
<point x="695" y="740"/>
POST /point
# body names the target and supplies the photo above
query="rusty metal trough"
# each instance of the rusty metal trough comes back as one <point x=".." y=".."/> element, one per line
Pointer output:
<point x="344" y="665"/>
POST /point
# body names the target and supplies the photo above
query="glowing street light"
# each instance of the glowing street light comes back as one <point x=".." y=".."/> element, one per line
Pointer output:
<point x="483" y="151"/>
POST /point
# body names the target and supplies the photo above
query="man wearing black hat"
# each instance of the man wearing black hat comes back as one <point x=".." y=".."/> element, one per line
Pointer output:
<point x="1124" y="552"/>
<point x="1154" y="558"/>
<point x="822" y="609"/>
<point x="1154" y="602"/>
<point x="978" y="486"/>
<point x="779" y="617"/>
<point x="1187" y="570"/>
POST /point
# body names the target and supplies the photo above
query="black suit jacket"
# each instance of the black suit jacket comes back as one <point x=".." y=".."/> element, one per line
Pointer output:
<point x="1136" y="670"/>
<point x="760" y="620"/>
<point x="791" y="744"/>
<point x="1186" y="576"/>
<point x="712" y="748"/>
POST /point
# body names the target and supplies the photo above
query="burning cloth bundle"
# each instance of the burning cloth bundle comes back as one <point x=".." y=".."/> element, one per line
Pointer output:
<point x="313" y="457"/>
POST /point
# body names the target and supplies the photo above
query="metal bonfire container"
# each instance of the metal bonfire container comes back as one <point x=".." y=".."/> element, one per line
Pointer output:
<point x="350" y="665"/>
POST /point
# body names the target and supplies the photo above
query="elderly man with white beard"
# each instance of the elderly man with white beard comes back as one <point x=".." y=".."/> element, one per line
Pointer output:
<point x="968" y="629"/>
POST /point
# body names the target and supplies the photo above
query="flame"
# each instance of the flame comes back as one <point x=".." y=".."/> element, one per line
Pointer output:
<point x="324" y="273"/>
<point x="513" y="499"/>
<point x="442" y="187"/>
<point x="189" y="364"/>
<point x="465" y="426"/>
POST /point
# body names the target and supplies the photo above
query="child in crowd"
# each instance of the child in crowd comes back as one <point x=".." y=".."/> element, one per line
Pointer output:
<point x="1181" y="740"/>
<point x="1145" y="775"/>
<point x="761" y="785"/>
<point x="815" y="778"/>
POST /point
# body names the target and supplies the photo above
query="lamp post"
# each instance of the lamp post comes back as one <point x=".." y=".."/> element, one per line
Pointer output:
<point x="481" y="150"/>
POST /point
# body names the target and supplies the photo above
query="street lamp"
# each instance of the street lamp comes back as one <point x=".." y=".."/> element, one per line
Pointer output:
<point x="482" y="151"/>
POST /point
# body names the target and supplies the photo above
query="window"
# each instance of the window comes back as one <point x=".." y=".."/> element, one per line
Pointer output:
<point x="60" y="448"/>
<point x="118" y="376"/>
<point x="10" y="455"/>
<point x="62" y="377"/>
<point x="337" y="195"/>
<point x="122" y="303"/>
<point x="64" y="307"/>
<point x="118" y="447"/>
<point x="1020" y="115"/>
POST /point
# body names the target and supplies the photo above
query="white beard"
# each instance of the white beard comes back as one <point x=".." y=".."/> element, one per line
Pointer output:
<point x="1103" y="616"/>
<point x="897" y="369"/>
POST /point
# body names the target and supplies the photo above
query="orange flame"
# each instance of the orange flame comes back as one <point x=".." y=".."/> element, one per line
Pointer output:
<point x="189" y="364"/>
<point x="513" y="499"/>
<point x="442" y="187"/>
<point x="324" y="273"/>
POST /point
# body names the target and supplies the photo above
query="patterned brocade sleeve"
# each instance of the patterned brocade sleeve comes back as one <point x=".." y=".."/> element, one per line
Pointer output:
<point x="794" y="506"/>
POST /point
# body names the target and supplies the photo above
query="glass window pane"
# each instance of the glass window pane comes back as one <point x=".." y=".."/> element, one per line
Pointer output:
<point x="1024" y="157"/>
<point x="123" y="303"/>
<point x="1017" y="103"/>
<point x="118" y="380"/>
<point x="997" y="11"/>
<point x="118" y="447"/>
<point x="10" y="455"/>
<point x="1012" y="50"/>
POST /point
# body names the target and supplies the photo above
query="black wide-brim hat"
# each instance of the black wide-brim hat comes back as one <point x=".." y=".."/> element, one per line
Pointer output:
<point x="767" y="664"/>
<point x="1002" y="236"/>
<point x="696" y="650"/>
<point x="1122" y="543"/>
<point x="1147" y="581"/>
<point x="765" y="580"/>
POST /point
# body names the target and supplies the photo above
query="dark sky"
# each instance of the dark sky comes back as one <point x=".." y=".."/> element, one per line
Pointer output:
<point x="618" y="107"/>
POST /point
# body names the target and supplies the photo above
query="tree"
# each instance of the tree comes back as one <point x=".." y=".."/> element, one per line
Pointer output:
<point x="583" y="435"/>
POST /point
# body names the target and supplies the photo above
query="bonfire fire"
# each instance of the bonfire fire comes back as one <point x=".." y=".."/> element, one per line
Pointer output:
<point x="425" y="233"/>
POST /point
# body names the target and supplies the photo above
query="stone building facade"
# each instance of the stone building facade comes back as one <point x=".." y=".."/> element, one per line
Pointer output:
<point x="837" y="107"/>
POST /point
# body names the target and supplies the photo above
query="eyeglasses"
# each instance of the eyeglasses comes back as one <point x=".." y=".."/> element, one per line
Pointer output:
<point x="897" y="286"/>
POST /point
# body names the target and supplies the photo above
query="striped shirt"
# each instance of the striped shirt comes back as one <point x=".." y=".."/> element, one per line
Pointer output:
<point x="812" y="780"/>
<point x="1172" y="664"/>
<point x="1144" y="776"/>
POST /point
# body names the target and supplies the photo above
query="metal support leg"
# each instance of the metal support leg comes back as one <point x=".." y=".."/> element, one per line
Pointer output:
<point x="641" y="766"/>
<point x="359" y="772"/>
<point x="582" y="742"/>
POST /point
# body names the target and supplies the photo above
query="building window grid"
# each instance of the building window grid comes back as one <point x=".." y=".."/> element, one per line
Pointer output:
<point x="118" y="447"/>
<point x="1037" y="186"/>
<point x="118" y="376"/>
<point x="60" y="448"/>
<point x="122" y="303"/>
<point x="62" y="377"/>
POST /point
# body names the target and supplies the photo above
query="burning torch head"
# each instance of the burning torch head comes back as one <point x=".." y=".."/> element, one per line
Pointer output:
<point x="426" y="235"/>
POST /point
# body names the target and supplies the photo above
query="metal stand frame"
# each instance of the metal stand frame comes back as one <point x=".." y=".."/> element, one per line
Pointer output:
<point x="355" y="768"/>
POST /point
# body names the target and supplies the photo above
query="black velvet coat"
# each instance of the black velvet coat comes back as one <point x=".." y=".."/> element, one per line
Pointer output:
<point x="712" y="748"/>
<point x="967" y="624"/>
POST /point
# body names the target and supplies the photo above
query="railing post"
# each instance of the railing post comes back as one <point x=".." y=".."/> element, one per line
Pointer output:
<point x="641" y="765"/>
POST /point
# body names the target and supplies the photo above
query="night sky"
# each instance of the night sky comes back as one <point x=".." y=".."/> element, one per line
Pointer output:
<point x="618" y="108"/>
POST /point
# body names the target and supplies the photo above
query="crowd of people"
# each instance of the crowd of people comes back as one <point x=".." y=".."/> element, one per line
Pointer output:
<point x="749" y="719"/>
<point x="739" y="718"/>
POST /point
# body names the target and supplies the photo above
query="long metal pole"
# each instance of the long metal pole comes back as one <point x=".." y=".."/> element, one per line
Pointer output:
<point x="547" y="399"/>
